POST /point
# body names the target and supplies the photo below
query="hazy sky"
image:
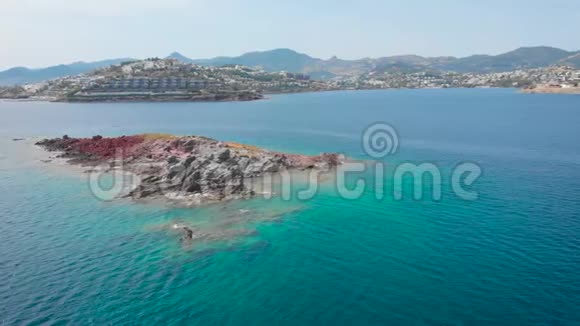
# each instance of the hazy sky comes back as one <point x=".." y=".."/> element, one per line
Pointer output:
<point x="45" y="32"/>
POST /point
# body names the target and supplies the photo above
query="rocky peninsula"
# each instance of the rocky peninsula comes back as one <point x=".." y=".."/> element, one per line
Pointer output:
<point x="551" y="89"/>
<point x="198" y="168"/>
<point x="164" y="80"/>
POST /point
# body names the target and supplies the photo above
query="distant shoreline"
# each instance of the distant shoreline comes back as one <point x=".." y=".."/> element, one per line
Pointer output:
<point x="264" y="96"/>
<point x="267" y="95"/>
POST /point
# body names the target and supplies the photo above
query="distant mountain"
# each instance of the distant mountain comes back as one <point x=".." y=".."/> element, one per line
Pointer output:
<point x="522" y="58"/>
<point x="180" y="57"/>
<point x="21" y="75"/>
<point x="573" y="60"/>
<point x="292" y="61"/>
<point x="273" y="60"/>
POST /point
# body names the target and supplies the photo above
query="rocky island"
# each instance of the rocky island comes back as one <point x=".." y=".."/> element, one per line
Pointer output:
<point x="196" y="168"/>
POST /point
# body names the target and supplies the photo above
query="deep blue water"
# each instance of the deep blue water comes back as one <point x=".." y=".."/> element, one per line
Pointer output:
<point x="510" y="257"/>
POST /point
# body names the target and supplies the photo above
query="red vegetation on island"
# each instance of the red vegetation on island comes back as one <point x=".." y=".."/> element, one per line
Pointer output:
<point x="160" y="147"/>
<point x="97" y="147"/>
<point x="210" y="169"/>
<point x="108" y="147"/>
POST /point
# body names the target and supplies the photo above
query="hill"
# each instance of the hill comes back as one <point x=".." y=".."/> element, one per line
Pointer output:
<point x="273" y="60"/>
<point x="573" y="60"/>
<point x="164" y="80"/>
<point x="292" y="61"/>
<point x="522" y="58"/>
<point x="296" y="62"/>
<point x="22" y="75"/>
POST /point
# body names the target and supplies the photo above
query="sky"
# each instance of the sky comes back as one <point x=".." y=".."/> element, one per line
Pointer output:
<point x="38" y="33"/>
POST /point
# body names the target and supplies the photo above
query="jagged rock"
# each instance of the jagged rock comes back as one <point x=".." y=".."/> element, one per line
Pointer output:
<point x="223" y="155"/>
<point x="189" y="145"/>
<point x="188" y="160"/>
<point x="174" y="170"/>
<point x="243" y="163"/>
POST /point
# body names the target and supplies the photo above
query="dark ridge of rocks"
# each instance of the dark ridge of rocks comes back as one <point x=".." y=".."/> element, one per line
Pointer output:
<point x="196" y="166"/>
<point x="165" y="97"/>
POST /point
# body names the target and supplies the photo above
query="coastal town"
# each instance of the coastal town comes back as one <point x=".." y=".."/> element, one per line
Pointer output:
<point x="561" y="77"/>
<point x="172" y="80"/>
<point x="165" y="80"/>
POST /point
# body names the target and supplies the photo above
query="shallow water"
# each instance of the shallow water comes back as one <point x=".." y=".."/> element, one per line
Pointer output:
<point x="510" y="257"/>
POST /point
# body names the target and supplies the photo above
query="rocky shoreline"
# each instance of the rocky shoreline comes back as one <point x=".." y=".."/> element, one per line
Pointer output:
<point x="552" y="90"/>
<point x="195" y="168"/>
<point x="163" y="97"/>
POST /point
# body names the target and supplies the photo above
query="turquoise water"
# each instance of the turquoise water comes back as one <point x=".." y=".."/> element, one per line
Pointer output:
<point x="510" y="257"/>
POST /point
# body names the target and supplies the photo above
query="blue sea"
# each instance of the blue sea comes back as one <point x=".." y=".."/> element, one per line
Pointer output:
<point x="510" y="257"/>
